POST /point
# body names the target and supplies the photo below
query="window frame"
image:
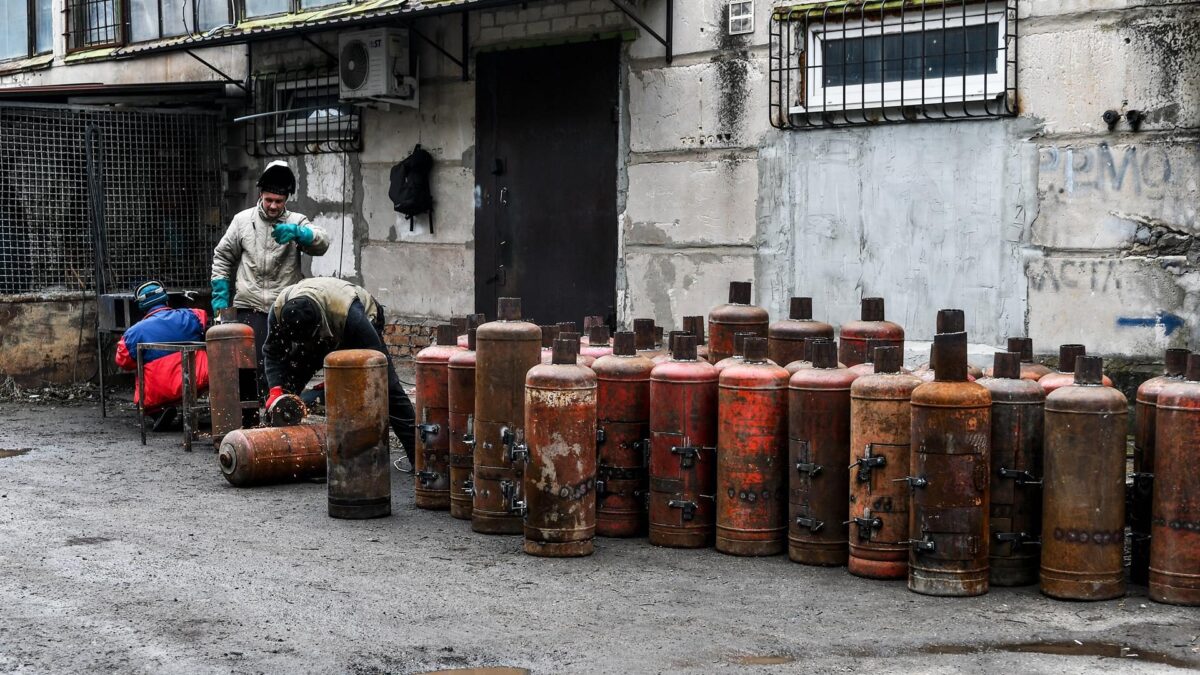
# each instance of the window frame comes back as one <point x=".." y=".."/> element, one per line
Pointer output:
<point x="294" y="7"/>
<point x="31" y="34"/>
<point x="278" y="134"/>
<point x="837" y="98"/>
<point x="229" y="6"/>
<point x="75" y="33"/>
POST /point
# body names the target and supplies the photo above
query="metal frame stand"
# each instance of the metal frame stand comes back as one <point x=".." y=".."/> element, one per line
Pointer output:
<point x="189" y="407"/>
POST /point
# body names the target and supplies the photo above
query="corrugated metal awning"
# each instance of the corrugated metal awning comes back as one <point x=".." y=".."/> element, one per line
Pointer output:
<point x="836" y="9"/>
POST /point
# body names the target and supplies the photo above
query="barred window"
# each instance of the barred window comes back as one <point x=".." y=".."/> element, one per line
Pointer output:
<point x="845" y="63"/>
<point x="28" y="29"/>
<point x="299" y="112"/>
<point x="94" y="23"/>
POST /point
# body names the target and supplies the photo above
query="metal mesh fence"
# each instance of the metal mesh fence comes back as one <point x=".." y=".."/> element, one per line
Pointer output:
<point x="153" y="179"/>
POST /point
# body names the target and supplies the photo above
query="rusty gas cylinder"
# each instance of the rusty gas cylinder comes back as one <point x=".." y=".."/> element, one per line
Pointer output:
<point x="739" y="346"/>
<point x="471" y="321"/>
<point x="460" y="380"/>
<point x="1067" y="354"/>
<point x="1175" y="530"/>
<point x="548" y="335"/>
<point x="695" y="326"/>
<point x="271" y="455"/>
<point x="359" y="465"/>
<point x="505" y="350"/>
<point x="1141" y="499"/>
<point x="623" y="419"/>
<point x="805" y="360"/>
<point x="1016" y="467"/>
<point x="432" y="470"/>
<point x="752" y="455"/>
<point x="1030" y="370"/>
<point x="880" y="419"/>
<point x="581" y="359"/>
<point x="286" y="410"/>
<point x="1083" y="503"/>
<point x="818" y="447"/>
<point x="599" y="343"/>
<point x="948" y="321"/>
<point x="559" y="456"/>
<point x="232" y="378"/>
<point x="737" y="316"/>
<point x="871" y="325"/>
<point x="948" y="474"/>
<point x="868" y="367"/>
<point x="669" y="353"/>
<point x="786" y="337"/>
<point x="683" y="449"/>
<point x="644" y="339"/>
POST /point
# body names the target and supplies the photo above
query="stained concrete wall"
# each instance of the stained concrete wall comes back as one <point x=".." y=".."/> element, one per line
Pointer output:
<point x="47" y="341"/>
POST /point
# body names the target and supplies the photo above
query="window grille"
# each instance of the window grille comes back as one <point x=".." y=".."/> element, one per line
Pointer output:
<point x="161" y="192"/>
<point x="844" y="63"/>
<point x="298" y="112"/>
<point x="94" y="23"/>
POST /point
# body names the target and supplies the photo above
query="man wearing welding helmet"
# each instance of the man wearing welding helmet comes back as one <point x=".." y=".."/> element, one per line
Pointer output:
<point x="315" y="317"/>
<point x="259" y="255"/>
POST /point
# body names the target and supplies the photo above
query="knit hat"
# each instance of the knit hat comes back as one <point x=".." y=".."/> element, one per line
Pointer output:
<point x="150" y="295"/>
<point x="277" y="178"/>
<point x="300" y="318"/>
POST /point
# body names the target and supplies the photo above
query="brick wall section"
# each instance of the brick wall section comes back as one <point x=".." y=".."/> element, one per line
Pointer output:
<point x="540" y="19"/>
<point x="406" y="337"/>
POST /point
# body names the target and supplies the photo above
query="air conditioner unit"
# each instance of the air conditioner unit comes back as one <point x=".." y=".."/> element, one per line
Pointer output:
<point x="376" y="65"/>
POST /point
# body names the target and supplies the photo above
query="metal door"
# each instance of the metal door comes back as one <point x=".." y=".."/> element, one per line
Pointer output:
<point x="546" y="180"/>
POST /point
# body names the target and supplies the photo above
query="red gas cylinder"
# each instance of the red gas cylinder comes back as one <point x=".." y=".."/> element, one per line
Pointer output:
<point x="643" y="338"/>
<point x="880" y="419"/>
<point x="623" y="417"/>
<point x="948" y="321"/>
<point x="683" y="449"/>
<point x="1067" y="354"/>
<point x="471" y="321"/>
<point x="1143" y="462"/>
<point x="695" y="326"/>
<point x="786" y="338"/>
<point x="505" y="350"/>
<point x="853" y="348"/>
<point x="273" y="455"/>
<point x="819" y="445"/>
<point x="559" y="456"/>
<point x="598" y="344"/>
<point x="432" y="470"/>
<point x="461" y="385"/>
<point x="1016" y="490"/>
<point x="805" y="360"/>
<point x="1029" y="369"/>
<point x="549" y="335"/>
<point x="668" y="355"/>
<point x="232" y="378"/>
<point x="1175" y="534"/>
<point x="738" y="316"/>
<point x="739" y="342"/>
<point x="752" y="455"/>
<point x="581" y="359"/>
<point x="948" y="472"/>
<point x="1083" y="505"/>
<point x="868" y="367"/>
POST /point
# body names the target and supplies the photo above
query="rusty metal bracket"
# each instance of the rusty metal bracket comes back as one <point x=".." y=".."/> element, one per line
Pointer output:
<point x="1018" y="539"/>
<point x="600" y="436"/>
<point x="812" y="524"/>
<point x="689" y="508"/>
<point x="516" y="506"/>
<point x="866" y="526"/>
<point x="923" y="545"/>
<point x="1021" y="477"/>
<point x="667" y="41"/>
<point x="518" y="453"/>
<point x="428" y="430"/>
<point x="427" y="477"/>
<point x="809" y="468"/>
<point x="687" y="454"/>
<point x="913" y="481"/>
<point x="468" y="487"/>
<point x="224" y="78"/>
<point x="868" y="462"/>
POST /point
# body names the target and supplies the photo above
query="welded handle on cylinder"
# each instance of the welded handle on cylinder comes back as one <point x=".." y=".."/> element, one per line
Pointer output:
<point x="867" y="462"/>
<point x="507" y="436"/>
<point x="866" y="526"/>
<point x="427" y="477"/>
<point x="1021" y="477"/>
<point x="516" y="507"/>
<point x="468" y="487"/>
<point x="428" y="430"/>
<point x="809" y="468"/>
<point x="518" y="453"/>
<point x="1018" y="539"/>
<point x="921" y="545"/>
<point x="600" y="436"/>
<point x="812" y="524"/>
<point x="469" y="440"/>
<point x="913" y="481"/>
<point x="687" y="454"/>
<point x="689" y="508"/>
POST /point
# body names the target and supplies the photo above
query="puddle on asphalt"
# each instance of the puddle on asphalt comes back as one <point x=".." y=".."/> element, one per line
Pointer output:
<point x="84" y="541"/>
<point x="1068" y="648"/>
<point x="480" y="671"/>
<point x="13" y="452"/>
<point x="769" y="660"/>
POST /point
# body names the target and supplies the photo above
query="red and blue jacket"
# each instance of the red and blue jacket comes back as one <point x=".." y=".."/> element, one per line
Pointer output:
<point x="164" y="370"/>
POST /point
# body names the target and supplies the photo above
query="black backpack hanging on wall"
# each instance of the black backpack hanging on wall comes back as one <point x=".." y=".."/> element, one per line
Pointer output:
<point x="409" y="188"/>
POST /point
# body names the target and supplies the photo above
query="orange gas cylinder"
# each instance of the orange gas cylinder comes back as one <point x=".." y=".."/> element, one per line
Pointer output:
<point x="1143" y="462"/>
<point x="752" y="455"/>
<point x="819" y="445"/>
<point x="1067" y="354"/>
<point x="683" y="449"/>
<point x="623" y="418"/>
<point x="695" y="326"/>
<point x="461" y="398"/>
<point x="737" y="316"/>
<point x="559" y="456"/>
<point x="359" y="461"/>
<point x="505" y="350"/>
<point x="868" y="367"/>
<point x="949" y="476"/>
<point x="1175" y="534"/>
<point x="580" y="359"/>
<point x="1083" y="503"/>
<point x="948" y="321"/>
<point x="549" y="335"/>
<point x="1029" y="369"/>
<point x="471" y="321"/>
<point x="598" y="345"/>
<point x="590" y="322"/>
<point x="432" y="470"/>
<point x="1016" y="468"/>
<point x="805" y="360"/>
<point x="786" y="338"/>
<point x="854" y="335"/>
<point x="291" y="454"/>
<point x="232" y="378"/>
<point x="739" y="341"/>
<point x="880" y="420"/>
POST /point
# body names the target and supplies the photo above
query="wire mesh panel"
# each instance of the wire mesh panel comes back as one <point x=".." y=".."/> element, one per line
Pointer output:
<point x="854" y="63"/>
<point x="152" y="179"/>
<point x="94" y="23"/>
<point x="299" y="112"/>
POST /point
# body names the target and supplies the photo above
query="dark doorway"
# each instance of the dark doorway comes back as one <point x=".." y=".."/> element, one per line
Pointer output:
<point x="546" y="171"/>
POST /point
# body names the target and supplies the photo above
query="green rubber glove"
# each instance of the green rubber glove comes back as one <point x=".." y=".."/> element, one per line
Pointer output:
<point x="286" y="232"/>
<point x="222" y="295"/>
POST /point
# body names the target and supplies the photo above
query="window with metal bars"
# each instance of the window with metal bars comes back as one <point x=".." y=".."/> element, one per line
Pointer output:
<point x="156" y="19"/>
<point x="299" y="112"/>
<point x="95" y="23"/>
<point x="852" y="63"/>
<point x="28" y="29"/>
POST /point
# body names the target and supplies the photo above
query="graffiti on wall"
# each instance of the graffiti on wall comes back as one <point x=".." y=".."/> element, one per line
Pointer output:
<point x="1054" y="274"/>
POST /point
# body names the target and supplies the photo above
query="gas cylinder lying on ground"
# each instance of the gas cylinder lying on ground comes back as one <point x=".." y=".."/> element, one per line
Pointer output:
<point x="359" y="462"/>
<point x="250" y="457"/>
<point x="1175" y="527"/>
<point x="737" y="316"/>
<point x="623" y="419"/>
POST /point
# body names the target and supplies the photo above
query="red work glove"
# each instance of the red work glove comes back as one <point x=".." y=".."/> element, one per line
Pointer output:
<point x="276" y="393"/>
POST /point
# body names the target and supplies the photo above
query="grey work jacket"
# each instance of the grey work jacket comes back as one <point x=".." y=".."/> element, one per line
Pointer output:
<point x="263" y="268"/>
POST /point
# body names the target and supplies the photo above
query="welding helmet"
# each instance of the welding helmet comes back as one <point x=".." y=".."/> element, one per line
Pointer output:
<point x="300" y="319"/>
<point x="150" y="295"/>
<point x="277" y="178"/>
